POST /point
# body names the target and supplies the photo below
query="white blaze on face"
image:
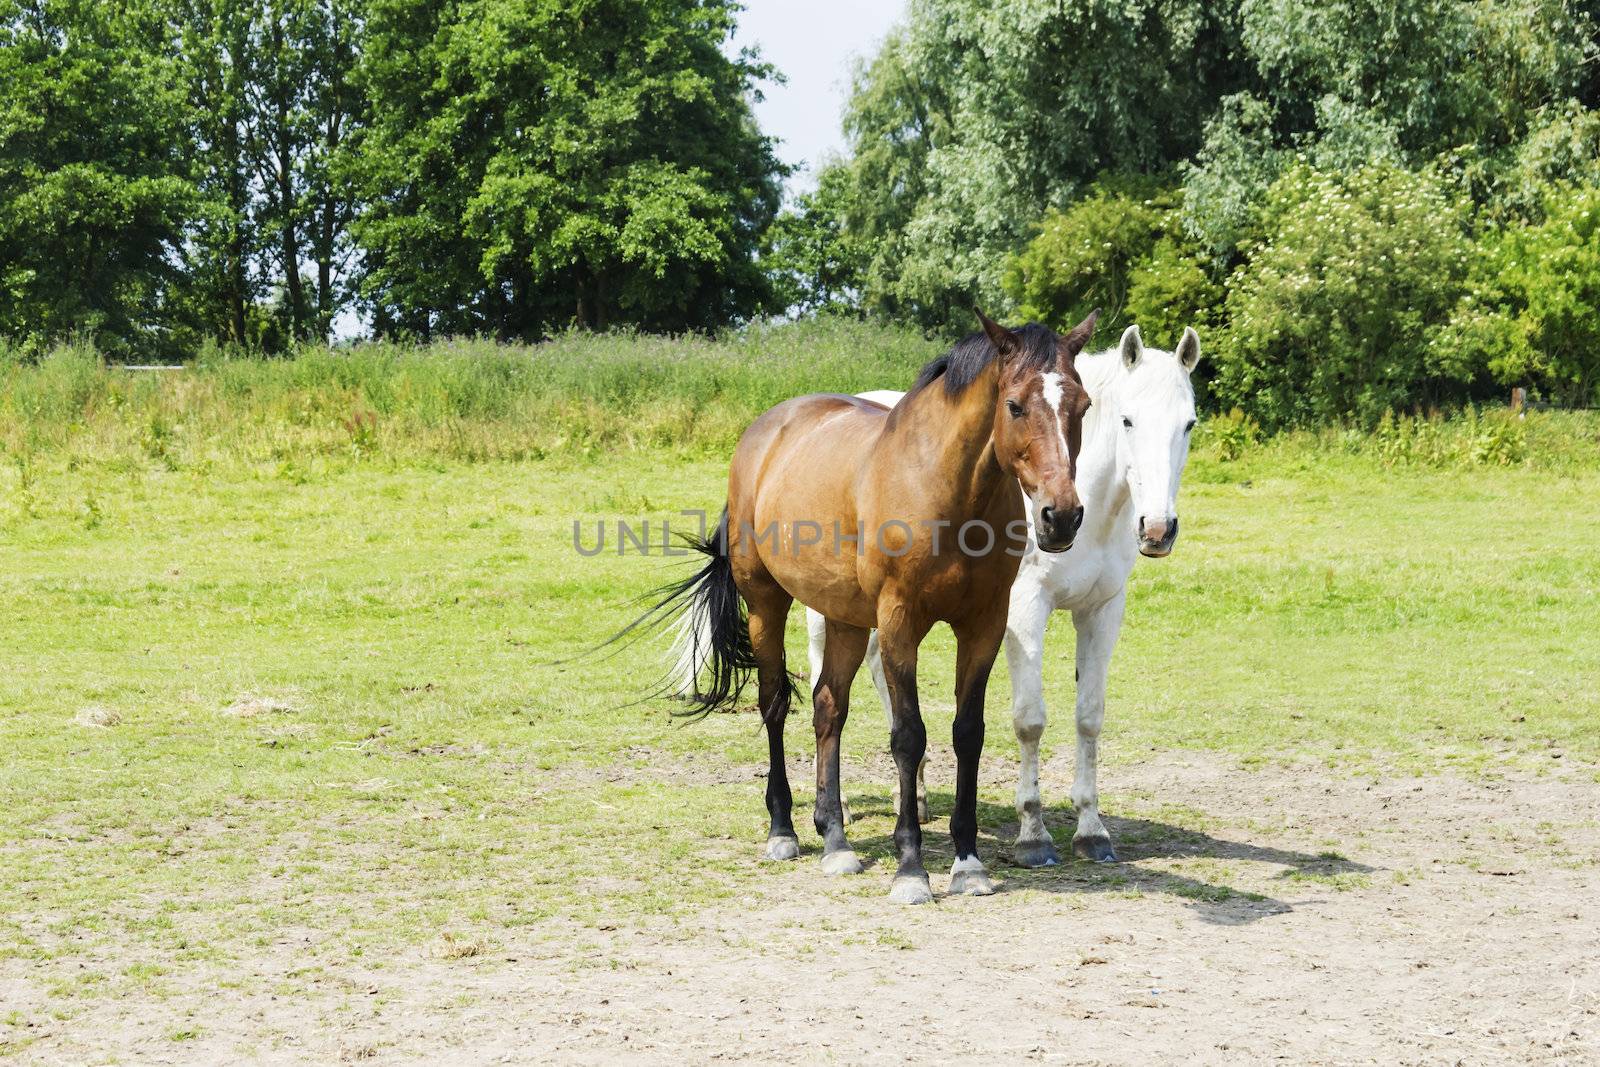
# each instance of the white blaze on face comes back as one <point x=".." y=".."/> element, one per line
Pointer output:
<point x="1052" y="400"/>
<point x="1053" y="393"/>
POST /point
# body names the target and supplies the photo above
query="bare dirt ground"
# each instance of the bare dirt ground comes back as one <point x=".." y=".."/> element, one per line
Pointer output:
<point x="1274" y="913"/>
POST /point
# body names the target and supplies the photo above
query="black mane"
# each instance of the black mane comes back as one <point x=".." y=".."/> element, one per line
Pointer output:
<point x="961" y="366"/>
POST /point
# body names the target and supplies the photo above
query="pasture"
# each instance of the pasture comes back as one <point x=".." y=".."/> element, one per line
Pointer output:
<point x="289" y="772"/>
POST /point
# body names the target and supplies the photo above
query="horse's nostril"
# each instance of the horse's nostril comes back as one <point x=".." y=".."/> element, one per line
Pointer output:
<point x="1077" y="518"/>
<point x="1048" y="514"/>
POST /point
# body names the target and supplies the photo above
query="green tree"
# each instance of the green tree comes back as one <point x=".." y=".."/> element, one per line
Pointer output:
<point x="812" y="261"/>
<point x="302" y="103"/>
<point x="534" y="164"/>
<point x="977" y="117"/>
<point x="94" y="190"/>
<point x="1351" y="83"/>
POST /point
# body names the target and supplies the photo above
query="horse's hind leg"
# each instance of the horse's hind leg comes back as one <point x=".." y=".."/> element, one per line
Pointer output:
<point x="816" y="642"/>
<point x="769" y="609"/>
<point x="841" y="659"/>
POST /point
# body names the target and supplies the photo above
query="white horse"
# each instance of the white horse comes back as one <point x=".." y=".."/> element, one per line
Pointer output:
<point x="1135" y="445"/>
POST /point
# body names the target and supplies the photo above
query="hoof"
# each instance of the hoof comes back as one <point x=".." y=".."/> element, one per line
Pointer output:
<point x="1094" y="849"/>
<point x="973" y="883"/>
<point x="782" y="848"/>
<point x="911" y="889"/>
<point x="845" y="805"/>
<point x="843" y="861"/>
<point x="1035" y="854"/>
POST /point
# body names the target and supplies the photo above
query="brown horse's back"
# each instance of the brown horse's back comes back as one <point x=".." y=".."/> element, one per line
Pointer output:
<point x="792" y="512"/>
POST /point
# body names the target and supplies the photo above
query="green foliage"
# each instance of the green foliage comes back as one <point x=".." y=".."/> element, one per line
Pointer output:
<point x="178" y="171"/>
<point x="975" y="118"/>
<point x="93" y="190"/>
<point x="532" y="165"/>
<point x="1172" y="289"/>
<point x="1329" y="317"/>
<point x="1533" y="318"/>
<point x="1352" y="83"/>
<point x="1084" y="256"/>
<point x="813" y="262"/>
<point x="1493" y="439"/>
<point x="1120" y="249"/>
<point x="1553" y="274"/>
<point x="1231" y="434"/>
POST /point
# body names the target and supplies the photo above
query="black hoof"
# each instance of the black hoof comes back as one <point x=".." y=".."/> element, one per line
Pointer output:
<point x="1094" y="849"/>
<point x="1035" y="854"/>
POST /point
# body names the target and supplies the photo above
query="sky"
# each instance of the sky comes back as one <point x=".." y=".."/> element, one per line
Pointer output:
<point x="812" y="42"/>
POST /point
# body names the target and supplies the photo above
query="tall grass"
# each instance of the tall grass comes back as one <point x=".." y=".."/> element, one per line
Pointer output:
<point x="582" y="396"/>
<point x="576" y="396"/>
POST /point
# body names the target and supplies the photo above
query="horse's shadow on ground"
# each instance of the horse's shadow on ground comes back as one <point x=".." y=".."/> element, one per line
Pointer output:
<point x="1135" y="840"/>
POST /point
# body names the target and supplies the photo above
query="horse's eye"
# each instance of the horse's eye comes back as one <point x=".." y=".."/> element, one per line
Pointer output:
<point x="1127" y="422"/>
<point x="1015" y="409"/>
<point x="1188" y="426"/>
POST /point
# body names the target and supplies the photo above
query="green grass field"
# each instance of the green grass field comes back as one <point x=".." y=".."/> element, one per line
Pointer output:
<point x="251" y="694"/>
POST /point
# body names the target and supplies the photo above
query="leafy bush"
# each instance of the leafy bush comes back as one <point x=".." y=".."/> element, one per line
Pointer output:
<point x="1120" y="249"/>
<point x="1550" y="275"/>
<point x="1231" y="434"/>
<point x="1330" y="316"/>
<point x="1532" y="316"/>
<point x="1084" y="257"/>
<point x="1172" y="289"/>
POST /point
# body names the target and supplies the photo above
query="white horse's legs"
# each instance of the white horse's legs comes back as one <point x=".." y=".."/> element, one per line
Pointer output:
<point x="1097" y="638"/>
<point x="1030" y="613"/>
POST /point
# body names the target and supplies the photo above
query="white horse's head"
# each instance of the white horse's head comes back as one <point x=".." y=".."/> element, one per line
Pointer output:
<point x="1154" y="401"/>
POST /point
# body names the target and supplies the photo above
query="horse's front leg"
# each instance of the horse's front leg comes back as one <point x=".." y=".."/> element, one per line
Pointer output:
<point x="875" y="664"/>
<point x="1030" y="614"/>
<point x="899" y="634"/>
<point x="1097" y="638"/>
<point x="977" y="644"/>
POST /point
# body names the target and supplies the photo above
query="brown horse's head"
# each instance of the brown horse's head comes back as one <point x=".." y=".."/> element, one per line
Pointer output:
<point x="1038" y="422"/>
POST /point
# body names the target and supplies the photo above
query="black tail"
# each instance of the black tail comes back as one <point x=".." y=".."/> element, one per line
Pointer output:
<point x="716" y="618"/>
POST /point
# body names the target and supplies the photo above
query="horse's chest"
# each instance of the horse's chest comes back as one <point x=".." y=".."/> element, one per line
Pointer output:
<point x="1088" y="581"/>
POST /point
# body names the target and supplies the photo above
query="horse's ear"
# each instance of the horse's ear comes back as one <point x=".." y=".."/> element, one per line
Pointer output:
<point x="1073" y="340"/>
<point x="1189" y="349"/>
<point x="1004" y="341"/>
<point x="1132" y="346"/>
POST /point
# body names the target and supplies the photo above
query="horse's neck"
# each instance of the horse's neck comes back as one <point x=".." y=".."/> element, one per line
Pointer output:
<point x="1107" y="501"/>
<point x="962" y="428"/>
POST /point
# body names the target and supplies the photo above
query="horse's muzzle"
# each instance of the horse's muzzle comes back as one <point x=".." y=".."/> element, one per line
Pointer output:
<point x="1157" y="539"/>
<point x="1058" y="527"/>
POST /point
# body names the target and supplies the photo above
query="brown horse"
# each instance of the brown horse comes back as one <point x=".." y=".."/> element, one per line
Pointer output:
<point x="895" y="520"/>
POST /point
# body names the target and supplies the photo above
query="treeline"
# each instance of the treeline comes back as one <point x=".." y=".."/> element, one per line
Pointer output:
<point x="240" y="172"/>
<point x="1364" y="205"/>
